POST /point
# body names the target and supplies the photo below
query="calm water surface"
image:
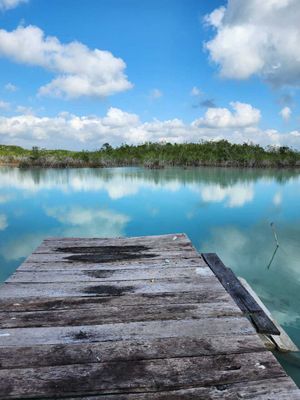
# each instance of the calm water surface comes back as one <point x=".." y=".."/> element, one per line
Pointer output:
<point x="228" y="211"/>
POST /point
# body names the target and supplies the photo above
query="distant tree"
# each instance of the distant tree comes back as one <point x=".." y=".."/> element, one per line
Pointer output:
<point x="35" y="153"/>
<point x="106" y="146"/>
<point x="284" y="150"/>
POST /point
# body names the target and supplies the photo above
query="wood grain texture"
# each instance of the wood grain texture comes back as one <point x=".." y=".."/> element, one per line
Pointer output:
<point x="241" y="296"/>
<point x="108" y="314"/>
<point x="266" y="389"/>
<point x="125" y="331"/>
<point x="129" y="318"/>
<point x="117" y="288"/>
<point x="152" y="254"/>
<point x="45" y="303"/>
<point x="131" y="349"/>
<point x="134" y="264"/>
<point x="138" y="375"/>
<point x="107" y="275"/>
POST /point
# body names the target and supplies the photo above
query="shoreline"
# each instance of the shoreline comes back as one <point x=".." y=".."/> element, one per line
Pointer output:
<point x="155" y="156"/>
<point x="77" y="165"/>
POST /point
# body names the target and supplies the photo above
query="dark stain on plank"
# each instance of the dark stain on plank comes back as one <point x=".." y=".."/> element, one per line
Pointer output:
<point x="99" y="274"/>
<point x="222" y="387"/>
<point x="94" y="254"/>
<point x="121" y="373"/>
<point x="81" y="335"/>
<point x="204" y="359"/>
<point x="62" y="303"/>
<point x="108" y="290"/>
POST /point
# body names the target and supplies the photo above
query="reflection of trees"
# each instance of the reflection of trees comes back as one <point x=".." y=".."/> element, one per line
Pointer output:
<point x="222" y="176"/>
<point x="205" y="175"/>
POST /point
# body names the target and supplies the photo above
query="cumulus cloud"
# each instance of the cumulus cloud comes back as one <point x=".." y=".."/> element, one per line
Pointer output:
<point x="80" y="71"/>
<point x="286" y="113"/>
<point x="257" y="37"/>
<point x="9" y="4"/>
<point x="66" y="130"/>
<point x="243" y="115"/>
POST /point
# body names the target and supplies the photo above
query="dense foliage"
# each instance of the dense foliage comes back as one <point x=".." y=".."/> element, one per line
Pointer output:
<point x="156" y="155"/>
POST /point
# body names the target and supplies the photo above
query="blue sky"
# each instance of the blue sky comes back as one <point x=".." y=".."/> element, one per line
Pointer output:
<point x="178" y="70"/>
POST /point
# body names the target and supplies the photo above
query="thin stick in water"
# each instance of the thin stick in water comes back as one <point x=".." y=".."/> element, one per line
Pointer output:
<point x="275" y="234"/>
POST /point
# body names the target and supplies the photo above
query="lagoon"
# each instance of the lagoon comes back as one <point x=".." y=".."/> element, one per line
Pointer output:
<point x="228" y="211"/>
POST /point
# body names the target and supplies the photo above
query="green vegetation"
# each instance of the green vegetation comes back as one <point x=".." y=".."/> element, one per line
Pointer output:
<point x="156" y="155"/>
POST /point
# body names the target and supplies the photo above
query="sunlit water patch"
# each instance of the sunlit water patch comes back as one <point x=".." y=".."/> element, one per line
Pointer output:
<point x="228" y="211"/>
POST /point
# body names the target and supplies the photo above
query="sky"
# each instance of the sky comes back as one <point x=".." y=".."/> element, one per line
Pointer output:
<point x="77" y="74"/>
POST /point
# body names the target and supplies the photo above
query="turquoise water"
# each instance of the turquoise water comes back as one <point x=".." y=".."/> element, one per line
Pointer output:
<point x="228" y="211"/>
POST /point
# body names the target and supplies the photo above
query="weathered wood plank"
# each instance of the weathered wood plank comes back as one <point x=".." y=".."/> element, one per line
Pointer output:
<point x="117" y="288"/>
<point x="108" y="275"/>
<point x="145" y="245"/>
<point x="281" y="388"/>
<point x="135" y="264"/>
<point x="108" y="314"/>
<point x="108" y="257"/>
<point x="138" y="376"/>
<point x="156" y="238"/>
<point x="83" y="353"/>
<point x="126" y="331"/>
<point x="135" y="318"/>
<point x="176" y="239"/>
<point x="239" y="293"/>
<point x="21" y="304"/>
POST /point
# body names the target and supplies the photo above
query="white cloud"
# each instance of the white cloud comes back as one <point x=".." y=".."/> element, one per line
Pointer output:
<point x="79" y="221"/>
<point x="9" y="4"/>
<point x="243" y="115"/>
<point x="286" y="113"/>
<point x="195" y="91"/>
<point x="215" y="18"/>
<point x="233" y="196"/>
<point x="71" y="131"/>
<point x="10" y="87"/>
<point x="24" y="110"/>
<point x="3" y="222"/>
<point x="257" y="37"/>
<point x="155" y="94"/>
<point x="4" y="105"/>
<point x="80" y="70"/>
<point x="117" y="118"/>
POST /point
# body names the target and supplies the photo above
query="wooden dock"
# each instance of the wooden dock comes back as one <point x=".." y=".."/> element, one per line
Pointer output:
<point x="134" y="318"/>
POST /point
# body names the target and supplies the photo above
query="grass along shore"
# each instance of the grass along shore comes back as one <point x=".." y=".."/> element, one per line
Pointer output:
<point x="155" y="155"/>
